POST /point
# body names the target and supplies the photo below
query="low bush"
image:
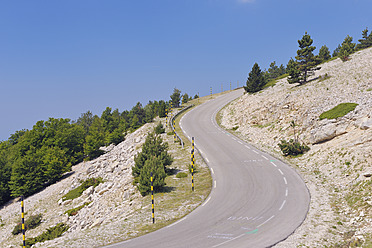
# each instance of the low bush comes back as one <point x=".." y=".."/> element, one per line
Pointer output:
<point x="49" y="234"/>
<point x="159" y="129"/>
<point x="292" y="148"/>
<point x="30" y="223"/>
<point x="75" y="193"/>
<point x="338" y="111"/>
<point x="74" y="211"/>
<point x="181" y="175"/>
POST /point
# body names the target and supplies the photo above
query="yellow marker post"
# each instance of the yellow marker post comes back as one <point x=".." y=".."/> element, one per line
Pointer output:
<point x="152" y="199"/>
<point x="192" y="164"/>
<point x="23" y="223"/>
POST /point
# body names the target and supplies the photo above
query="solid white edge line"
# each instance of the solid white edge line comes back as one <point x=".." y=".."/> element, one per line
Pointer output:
<point x="282" y="205"/>
<point x="176" y="222"/>
<point x="285" y="180"/>
<point x="266" y="221"/>
<point x="126" y="241"/>
<point x="206" y="201"/>
<point x="229" y="240"/>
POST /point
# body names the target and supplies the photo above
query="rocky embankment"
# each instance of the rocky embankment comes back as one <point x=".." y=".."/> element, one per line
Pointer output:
<point x="338" y="167"/>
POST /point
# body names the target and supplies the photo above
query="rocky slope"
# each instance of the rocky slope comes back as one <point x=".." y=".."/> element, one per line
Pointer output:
<point x="338" y="167"/>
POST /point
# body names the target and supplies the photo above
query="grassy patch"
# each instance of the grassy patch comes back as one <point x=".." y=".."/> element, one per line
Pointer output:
<point x="181" y="175"/>
<point x="49" y="234"/>
<point x="75" y="193"/>
<point x="30" y="223"/>
<point x="338" y="111"/>
<point x="74" y="211"/>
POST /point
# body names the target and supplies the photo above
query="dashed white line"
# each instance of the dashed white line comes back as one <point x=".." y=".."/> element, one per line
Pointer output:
<point x="281" y="172"/>
<point x="215" y="184"/>
<point x="285" y="180"/>
<point x="286" y="192"/>
<point x="255" y="152"/>
<point x="247" y="147"/>
<point x="266" y="221"/>
<point x="207" y="159"/>
<point x="264" y="157"/>
<point x="282" y="205"/>
<point x="240" y="142"/>
<point x="274" y="164"/>
<point x="212" y="170"/>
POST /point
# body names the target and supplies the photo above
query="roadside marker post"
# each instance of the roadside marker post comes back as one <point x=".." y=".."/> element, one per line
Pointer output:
<point x="166" y="117"/>
<point x="23" y="222"/>
<point x="152" y="199"/>
<point x="192" y="164"/>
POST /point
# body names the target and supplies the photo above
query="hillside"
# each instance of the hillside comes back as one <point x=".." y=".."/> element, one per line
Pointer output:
<point x="338" y="167"/>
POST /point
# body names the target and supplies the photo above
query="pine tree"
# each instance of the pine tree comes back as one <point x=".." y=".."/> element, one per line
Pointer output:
<point x="156" y="166"/>
<point x="347" y="48"/>
<point x="305" y="58"/>
<point x="176" y="97"/>
<point x="293" y="72"/>
<point x="336" y="52"/>
<point x="324" y="53"/>
<point x="256" y="80"/>
<point x="366" y="40"/>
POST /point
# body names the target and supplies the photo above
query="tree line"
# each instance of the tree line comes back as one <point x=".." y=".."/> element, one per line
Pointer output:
<point x="305" y="62"/>
<point x="33" y="159"/>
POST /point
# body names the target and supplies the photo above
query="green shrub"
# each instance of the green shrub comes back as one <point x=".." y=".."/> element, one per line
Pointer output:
<point x="195" y="169"/>
<point x="30" y="223"/>
<point x="181" y="175"/>
<point x="49" y="234"/>
<point x="170" y="133"/>
<point x="159" y="129"/>
<point x="292" y="148"/>
<point x="338" y="111"/>
<point x="75" y="193"/>
<point x="74" y="211"/>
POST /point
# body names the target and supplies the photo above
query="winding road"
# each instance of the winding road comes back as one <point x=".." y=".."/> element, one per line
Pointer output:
<point x="256" y="200"/>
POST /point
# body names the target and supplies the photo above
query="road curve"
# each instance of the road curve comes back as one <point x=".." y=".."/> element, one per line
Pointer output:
<point x="256" y="200"/>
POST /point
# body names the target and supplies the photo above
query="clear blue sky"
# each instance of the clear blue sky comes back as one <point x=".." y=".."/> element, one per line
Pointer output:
<point x="63" y="58"/>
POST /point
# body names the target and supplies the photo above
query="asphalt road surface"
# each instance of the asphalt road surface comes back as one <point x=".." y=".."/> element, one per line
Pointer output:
<point x="256" y="200"/>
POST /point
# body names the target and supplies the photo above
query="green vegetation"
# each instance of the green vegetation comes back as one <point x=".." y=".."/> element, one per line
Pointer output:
<point x="181" y="174"/>
<point x="347" y="48"/>
<point x="176" y="97"/>
<point x="338" y="111"/>
<point x="74" y="211"/>
<point x="30" y="223"/>
<point x="292" y="148"/>
<point x="159" y="129"/>
<point x="324" y="54"/>
<point x="256" y="80"/>
<point x="153" y="158"/>
<point x="75" y="193"/>
<point x="49" y="234"/>
<point x="366" y="40"/>
<point x="305" y="63"/>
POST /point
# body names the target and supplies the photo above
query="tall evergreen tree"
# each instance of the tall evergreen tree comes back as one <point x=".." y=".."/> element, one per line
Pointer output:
<point x="336" y="52"/>
<point x="324" y="53"/>
<point x="176" y="97"/>
<point x="256" y="80"/>
<point x="366" y="40"/>
<point x="305" y="58"/>
<point x="347" y="48"/>
<point x="293" y="72"/>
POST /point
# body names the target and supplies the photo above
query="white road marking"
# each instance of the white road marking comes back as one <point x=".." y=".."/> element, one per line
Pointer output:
<point x="240" y="142"/>
<point x="282" y="205"/>
<point x="266" y="221"/>
<point x="264" y="157"/>
<point x="229" y="240"/>
<point x="206" y="201"/>
<point x="255" y="152"/>
<point x="248" y="147"/>
<point x="281" y="172"/>
<point x="207" y="159"/>
<point x="212" y="170"/>
<point x="176" y="222"/>
<point x="286" y="192"/>
<point x="285" y="180"/>
<point x="215" y="183"/>
<point x="274" y="164"/>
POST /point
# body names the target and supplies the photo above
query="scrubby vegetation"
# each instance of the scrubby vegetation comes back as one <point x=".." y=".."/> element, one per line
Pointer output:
<point x="49" y="234"/>
<point x="292" y="147"/>
<point x="338" y="111"/>
<point x="75" y="193"/>
<point x="30" y="223"/>
<point x="181" y="174"/>
<point x="74" y="211"/>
